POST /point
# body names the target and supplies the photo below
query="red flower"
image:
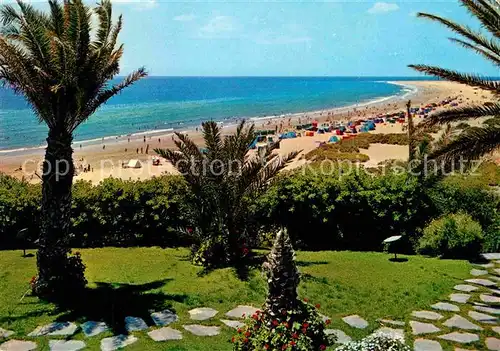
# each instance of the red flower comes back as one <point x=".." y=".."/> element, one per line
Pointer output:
<point x="266" y="346"/>
<point x="328" y="321"/>
<point x="306" y="299"/>
<point x="305" y="325"/>
<point x="245" y="251"/>
<point x="247" y="334"/>
<point x="245" y="340"/>
<point x="239" y="331"/>
<point x="322" y="347"/>
<point x="283" y="312"/>
<point x="295" y="336"/>
<point x="189" y="230"/>
<point x="255" y="316"/>
<point x="317" y="305"/>
<point x="284" y="347"/>
<point x="292" y="343"/>
<point x="304" y="330"/>
<point x="275" y="322"/>
<point x="286" y="324"/>
<point x="232" y="339"/>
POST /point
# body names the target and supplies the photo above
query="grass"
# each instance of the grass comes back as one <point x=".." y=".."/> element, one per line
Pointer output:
<point x="136" y="281"/>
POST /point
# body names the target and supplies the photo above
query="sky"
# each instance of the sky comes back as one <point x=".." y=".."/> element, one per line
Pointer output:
<point x="291" y="38"/>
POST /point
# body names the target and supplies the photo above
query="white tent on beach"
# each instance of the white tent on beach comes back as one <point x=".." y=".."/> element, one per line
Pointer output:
<point x="134" y="164"/>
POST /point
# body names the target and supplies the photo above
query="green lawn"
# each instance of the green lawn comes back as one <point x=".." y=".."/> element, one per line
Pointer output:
<point x="139" y="280"/>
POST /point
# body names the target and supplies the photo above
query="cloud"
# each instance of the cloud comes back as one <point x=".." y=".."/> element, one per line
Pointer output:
<point x="219" y="27"/>
<point x="383" y="7"/>
<point x="138" y="4"/>
<point x="185" y="18"/>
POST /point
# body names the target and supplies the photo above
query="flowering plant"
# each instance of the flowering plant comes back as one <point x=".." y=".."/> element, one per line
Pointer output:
<point x="299" y="329"/>
<point x="375" y="343"/>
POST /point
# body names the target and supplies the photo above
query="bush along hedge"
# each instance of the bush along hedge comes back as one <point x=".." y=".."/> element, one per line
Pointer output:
<point x="452" y="236"/>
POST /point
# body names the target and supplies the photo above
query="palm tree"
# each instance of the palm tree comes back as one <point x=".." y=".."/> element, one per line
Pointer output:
<point x="411" y="133"/>
<point x="224" y="179"/>
<point x="64" y="72"/>
<point x="473" y="142"/>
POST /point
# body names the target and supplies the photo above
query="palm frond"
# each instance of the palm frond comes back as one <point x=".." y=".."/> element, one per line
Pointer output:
<point x="461" y="114"/>
<point x="454" y="76"/>
<point x="471" y="144"/>
<point x="487" y="12"/>
<point x="495" y="58"/>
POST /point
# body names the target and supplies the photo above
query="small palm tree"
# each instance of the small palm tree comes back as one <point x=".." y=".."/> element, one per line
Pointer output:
<point x="64" y="72"/>
<point x="224" y="179"/>
<point x="473" y="142"/>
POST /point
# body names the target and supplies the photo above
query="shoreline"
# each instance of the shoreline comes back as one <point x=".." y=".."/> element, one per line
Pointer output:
<point x="232" y="122"/>
<point x="106" y="158"/>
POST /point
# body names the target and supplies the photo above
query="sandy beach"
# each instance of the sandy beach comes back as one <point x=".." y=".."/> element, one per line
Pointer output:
<point x="106" y="156"/>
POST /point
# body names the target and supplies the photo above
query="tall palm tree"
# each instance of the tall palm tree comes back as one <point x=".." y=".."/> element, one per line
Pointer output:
<point x="473" y="142"/>
<point x="224" y="179"/>
<point x="63" y="70"/>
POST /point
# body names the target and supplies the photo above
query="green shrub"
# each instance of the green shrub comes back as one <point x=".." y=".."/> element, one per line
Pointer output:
<point x="375" y="343"/>
<point x="452" y="236"/>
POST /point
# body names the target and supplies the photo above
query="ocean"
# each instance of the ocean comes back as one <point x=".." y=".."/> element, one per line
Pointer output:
<point x="180" y="103"/>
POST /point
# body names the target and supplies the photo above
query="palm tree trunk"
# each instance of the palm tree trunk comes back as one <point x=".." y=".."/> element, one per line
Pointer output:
<point x="57" y="178"/>
<point x="411" y="132"/>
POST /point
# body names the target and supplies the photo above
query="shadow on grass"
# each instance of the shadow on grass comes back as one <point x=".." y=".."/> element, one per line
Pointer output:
<point x="398" y="259"/>
<point x="311" y="263"/>
<point x="111" y="303"/>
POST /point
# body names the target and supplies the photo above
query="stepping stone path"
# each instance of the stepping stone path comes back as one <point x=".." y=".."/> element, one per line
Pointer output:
<point x="202" y="313"/>
<point x="117" y="342"/>
<point x="242" y="312"/>
<point x="483" y="282"/>
<point x="495" y="291"/>
<point x="4" y="333"/>
<point x="465" y="287"/>
<point x="341" y="337"/>
<point x="497" y="271"/>
<point x="419" y="328"/>
<point x="492" y="256"/>
<point x="463" y="338"/>
<point x="460" y="298"/>
<point x="489" y="298"/>
<point x="202" y="330"/>
<point x="164" y="318"/>
<point x="461" y="323"/>
<point x="426" y="345"/>
<point x="164" y="334"/>
<point x="487" y="309"/>
<point x="398" y="334"/>
<point x="355" y="321"/>
<point x="445" y="306"/>
<point x="434" y="316"/>
<point x="493" y="344"/>
<point x="390" y="321"/>
<point x="233" y="324"/>
<point x="63" y="345"/>
<point x="135" y="324"/>
<point x="496" y="330"/>
<point x="18" y="345"/>
<point x="478" y="272"/>
<point x="91" y="328"/>
<point x="486" y="265"/>
<point x="56" y="328"/>
<point x="481" y="317"/>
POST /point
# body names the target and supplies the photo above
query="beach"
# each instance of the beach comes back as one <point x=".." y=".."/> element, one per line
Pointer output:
<point x="105" y="157"/>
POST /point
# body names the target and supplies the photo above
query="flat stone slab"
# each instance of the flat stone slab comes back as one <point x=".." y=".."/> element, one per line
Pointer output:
<point x="461" y="323"/>
<point x="398" y="334"/>
<point x="478" y="272"/>
<point x="135" y="324"/>
<point x="481" y="317"/>
<point x="117" y="342"/>
<point x="483" y="282"/>
<point x="164" y="334"/>
<point x="355" y="321"/>
<point x="56" y="328"/>
<point x="164" y="317"/>
<point x="242" y="312"/>
<point x="486" y="265"/>
<point x="491" y="256"/>
<point x="419" y="328"/>
<point x="341" y="337"/>
<point x="445" y="306"/>
<point x="233" y="324"/>
<point x="465" y="287"/>
<point x="497" y="271"/>
<point x="18" y="345"/>
<point x="462" y="338"/>
<point x="66" y="345"/>
<point x="460" y="298"/>
<point x="4" y="333"/>
<point x="202" y="313"/>
<point x="202" y="330"/>
<point x="492" y="344"/>
<point x="489" y="298"/>
<point x="92" y="328"/>
<point x="426" y="345"/>
<point x="433" y="316"/>
<point x="390" y="321"/>
<point x="495" y="291"/>
<point x="496" y="329"/>
<point x="485" y="309"/>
